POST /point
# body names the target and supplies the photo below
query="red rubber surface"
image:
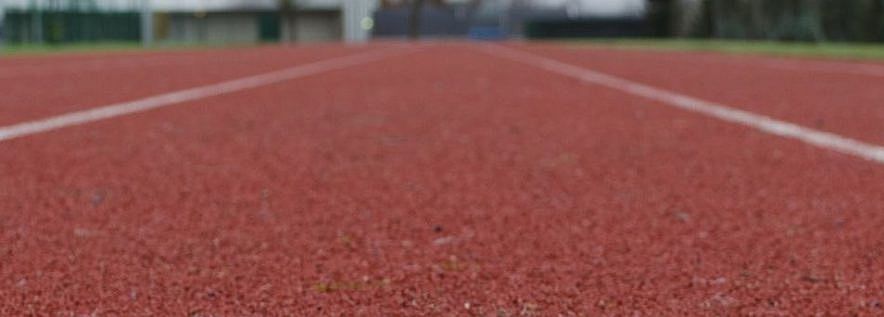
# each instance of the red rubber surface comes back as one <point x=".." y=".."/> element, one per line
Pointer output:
<point x="810" y="92"/>
<point x="444" y="182"/>
<point x="39" y="87"/>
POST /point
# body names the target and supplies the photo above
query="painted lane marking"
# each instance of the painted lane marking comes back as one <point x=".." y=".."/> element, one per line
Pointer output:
<point x="162" y="100"/>
<point x="822" y="139"/>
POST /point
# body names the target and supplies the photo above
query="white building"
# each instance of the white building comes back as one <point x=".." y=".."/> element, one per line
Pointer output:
<point x="237" y="20"/>
<point x="595" y="8"/>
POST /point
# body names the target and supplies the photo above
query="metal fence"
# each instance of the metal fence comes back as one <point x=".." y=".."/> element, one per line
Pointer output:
<point x="65" y="26"/>
<point x="65" y="21"/>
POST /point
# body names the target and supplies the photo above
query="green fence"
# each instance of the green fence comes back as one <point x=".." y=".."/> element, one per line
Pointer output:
<point x="268" y="26"/>
<point x="28" y="26"/>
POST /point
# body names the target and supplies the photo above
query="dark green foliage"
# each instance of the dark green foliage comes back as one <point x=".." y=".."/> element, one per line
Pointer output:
<point x="659" y="16"/>
<point x="791" y="20"/>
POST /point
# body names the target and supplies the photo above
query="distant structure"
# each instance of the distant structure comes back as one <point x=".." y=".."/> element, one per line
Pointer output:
<point x="438" y="18"/>
<point x="498" y="19"/>
<point x="2" y="34"/>
<point x="187" y="21"/>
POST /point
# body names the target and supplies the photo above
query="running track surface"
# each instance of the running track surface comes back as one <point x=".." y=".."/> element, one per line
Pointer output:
<point x="443" y="179"/>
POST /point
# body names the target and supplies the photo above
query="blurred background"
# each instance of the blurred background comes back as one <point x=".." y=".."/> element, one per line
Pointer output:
<point x="198" y="22"/>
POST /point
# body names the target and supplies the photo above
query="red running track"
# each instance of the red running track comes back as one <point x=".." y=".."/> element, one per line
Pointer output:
<point x="846" y="98"/>
<point x="39" y="87"/>
<point x="442" y="182"/>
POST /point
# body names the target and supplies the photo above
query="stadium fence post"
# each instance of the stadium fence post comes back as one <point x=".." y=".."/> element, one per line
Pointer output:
<point x="146" y="23"/>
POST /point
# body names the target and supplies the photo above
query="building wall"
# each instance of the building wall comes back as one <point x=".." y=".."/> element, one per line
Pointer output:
<point x="315" y="26"/>
<point x="351" y="20"/>
<point x="212" y="28"/>
<point x="320" y="27"/>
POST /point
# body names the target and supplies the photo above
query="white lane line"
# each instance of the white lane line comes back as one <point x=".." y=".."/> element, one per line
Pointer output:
<point x="822" y="139"/>
<point x="124" y="108"/>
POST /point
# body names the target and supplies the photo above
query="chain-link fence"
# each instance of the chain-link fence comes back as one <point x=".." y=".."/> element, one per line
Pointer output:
<point x="65" y="21"/>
